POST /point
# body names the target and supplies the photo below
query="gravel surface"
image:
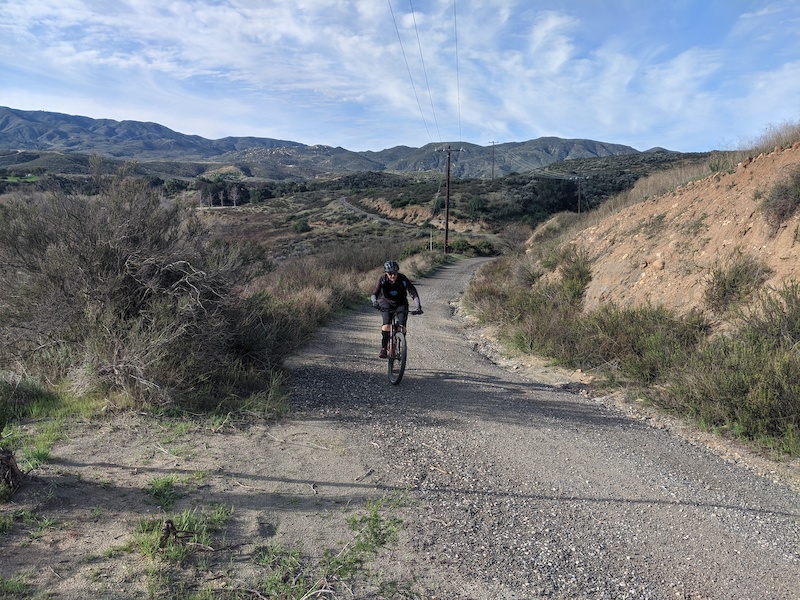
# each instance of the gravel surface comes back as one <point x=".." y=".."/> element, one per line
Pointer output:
<point x="520" y="489"/>
<point x="514" y="483"/>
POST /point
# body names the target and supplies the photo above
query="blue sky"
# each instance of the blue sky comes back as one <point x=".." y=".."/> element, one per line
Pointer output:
<point x="688" y="75"/>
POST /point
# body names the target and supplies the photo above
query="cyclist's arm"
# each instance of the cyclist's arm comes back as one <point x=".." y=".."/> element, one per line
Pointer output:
<point x="412" y="291"/>
<point x="375" y="291"/>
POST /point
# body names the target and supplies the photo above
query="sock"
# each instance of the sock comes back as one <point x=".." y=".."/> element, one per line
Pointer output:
<point x="384" y="339"/>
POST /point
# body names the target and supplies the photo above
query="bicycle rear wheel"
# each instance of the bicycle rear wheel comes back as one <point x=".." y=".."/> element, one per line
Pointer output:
<point x="397" y="358"/>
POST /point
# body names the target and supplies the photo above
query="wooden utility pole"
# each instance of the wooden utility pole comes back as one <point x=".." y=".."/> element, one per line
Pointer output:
<point x="447" y="199"/>
<point x="447" y="204"/>
<point x="492" y="143"/>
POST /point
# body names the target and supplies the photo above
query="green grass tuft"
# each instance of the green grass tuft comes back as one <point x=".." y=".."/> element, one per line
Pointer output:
<point x="163" y="492"/>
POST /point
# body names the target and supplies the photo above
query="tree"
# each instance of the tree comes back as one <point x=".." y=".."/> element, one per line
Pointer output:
<point x="96" y="168"/>
<point x="475" y="206"/>
<point x="557" y="195"/>
<point x="175" y="186"/>
<point x="239" y="194"/>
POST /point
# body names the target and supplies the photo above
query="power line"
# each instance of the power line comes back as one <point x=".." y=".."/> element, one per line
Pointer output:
<point x="425" y="72"/>
<point x="520" y="161"/>
<point x="537" y="171"/>
<point x="414" y="87"/>
<point x="458" y="82"/>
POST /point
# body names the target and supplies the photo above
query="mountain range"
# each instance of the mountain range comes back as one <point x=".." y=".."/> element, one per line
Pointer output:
<point x="40" y="131"/>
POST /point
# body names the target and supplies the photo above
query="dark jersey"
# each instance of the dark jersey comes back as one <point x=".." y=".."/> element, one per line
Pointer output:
<point x="395" y="292"/>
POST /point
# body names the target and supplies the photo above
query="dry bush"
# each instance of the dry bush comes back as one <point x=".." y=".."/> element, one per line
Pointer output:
<point x="782" y="135"/>
<point x="121" y="292"/>
<point x="556" y="227"/>
<point x="783" y="199"/>
<point x="566" y="227"/>
<point x="732" y="281"/>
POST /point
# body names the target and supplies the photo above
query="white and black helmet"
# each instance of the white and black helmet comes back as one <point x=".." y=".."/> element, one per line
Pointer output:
<point x="391" y="266"/>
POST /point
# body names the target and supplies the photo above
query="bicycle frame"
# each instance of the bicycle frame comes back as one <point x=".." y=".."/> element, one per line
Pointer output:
<point x="397" y="349"/>
<point x="396" y="326"/>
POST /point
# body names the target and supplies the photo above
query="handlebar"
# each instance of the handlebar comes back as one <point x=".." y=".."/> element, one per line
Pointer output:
<point x="411" y="312"/>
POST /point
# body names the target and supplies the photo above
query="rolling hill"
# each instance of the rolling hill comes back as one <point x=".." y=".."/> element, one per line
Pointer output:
<point x="40" y="131"/>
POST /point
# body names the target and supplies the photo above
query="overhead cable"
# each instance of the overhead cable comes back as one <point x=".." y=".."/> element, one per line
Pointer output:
<point x="458" y="83"/>
<point x="414" y="87"/>
<point x="425" y="72"/>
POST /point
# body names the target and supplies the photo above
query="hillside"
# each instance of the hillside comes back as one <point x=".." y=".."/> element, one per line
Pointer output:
<point x="49" y="131"/>
<point x="269" y="158"/>
<point x="663" y="250"/>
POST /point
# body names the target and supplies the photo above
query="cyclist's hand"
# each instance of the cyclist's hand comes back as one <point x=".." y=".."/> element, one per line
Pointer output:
<point x="375" y="305"/>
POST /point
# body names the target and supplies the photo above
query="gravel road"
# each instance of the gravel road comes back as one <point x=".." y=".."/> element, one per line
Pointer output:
<point x="519" y="489"/>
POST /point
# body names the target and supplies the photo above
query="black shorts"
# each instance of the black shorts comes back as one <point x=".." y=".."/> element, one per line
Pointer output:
<point x="393" y="307"/>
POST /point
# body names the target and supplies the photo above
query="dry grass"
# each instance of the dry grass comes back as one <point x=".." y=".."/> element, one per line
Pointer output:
<point x="782" y="135"/>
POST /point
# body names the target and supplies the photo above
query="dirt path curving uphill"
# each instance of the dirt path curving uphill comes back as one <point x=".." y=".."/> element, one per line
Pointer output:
<point x="511" y="486"/>
<point x="519" y="489"/>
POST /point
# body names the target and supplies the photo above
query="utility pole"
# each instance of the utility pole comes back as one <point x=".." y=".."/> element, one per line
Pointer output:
<point x="447" y="204"/>
<point x="447" y="199"/>
<point x="579" y="195"/>
<point x="492" y="143"/>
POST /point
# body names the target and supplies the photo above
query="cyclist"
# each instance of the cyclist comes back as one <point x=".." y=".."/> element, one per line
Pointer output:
<point x="393" y="288"/>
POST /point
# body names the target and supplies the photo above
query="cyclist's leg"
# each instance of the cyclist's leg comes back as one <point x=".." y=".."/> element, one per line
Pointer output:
<point x="386" y="327"/>
<point x="402" y="313"/>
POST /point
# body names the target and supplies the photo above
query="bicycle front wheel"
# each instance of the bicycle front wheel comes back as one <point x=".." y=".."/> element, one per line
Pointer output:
<point x="397" y="358"/>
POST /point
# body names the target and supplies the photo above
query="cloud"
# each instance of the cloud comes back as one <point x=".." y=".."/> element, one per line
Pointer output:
<point x="551" y="45"/>
<point x="334" y="72"/>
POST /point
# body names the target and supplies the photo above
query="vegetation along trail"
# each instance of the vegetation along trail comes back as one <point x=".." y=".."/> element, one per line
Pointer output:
<point x="513" y="488"/>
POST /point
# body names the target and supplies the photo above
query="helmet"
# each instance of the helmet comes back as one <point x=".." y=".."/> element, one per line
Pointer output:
<point x="391" y="266"/>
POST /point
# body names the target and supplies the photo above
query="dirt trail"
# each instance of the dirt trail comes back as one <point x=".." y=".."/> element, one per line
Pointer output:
<point x="512" y="487"/>
<point x="521" y="490"/>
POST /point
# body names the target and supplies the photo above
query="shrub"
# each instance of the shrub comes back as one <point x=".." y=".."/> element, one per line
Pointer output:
<point x="540" y="320"/>
<point x="731" y="282"/>
<point x="122" y="292"/>
<point x="645" y="343"/>
<point x="783" y="200"/>
<point x="576" y="273"/>
<point x="459" y="245"/>
<point x="745" y="384"/>
<point x="642" y="344"/>
<point x="749" y="382"/>
<point x="301" y="226"/>
<point x="776" y="315"/>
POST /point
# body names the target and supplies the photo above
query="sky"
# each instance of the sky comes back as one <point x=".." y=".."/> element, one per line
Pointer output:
<point x="686" y="75"/>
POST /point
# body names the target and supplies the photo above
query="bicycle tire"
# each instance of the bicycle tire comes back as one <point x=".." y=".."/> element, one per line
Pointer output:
<point x="397" y="358"/>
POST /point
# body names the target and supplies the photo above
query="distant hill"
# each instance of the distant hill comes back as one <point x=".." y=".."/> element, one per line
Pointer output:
<point x="48" y="131"/>
<point x="269" y="158"/>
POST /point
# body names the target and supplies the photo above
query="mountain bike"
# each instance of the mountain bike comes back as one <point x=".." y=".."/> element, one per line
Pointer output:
<point x="397" y="348"/>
